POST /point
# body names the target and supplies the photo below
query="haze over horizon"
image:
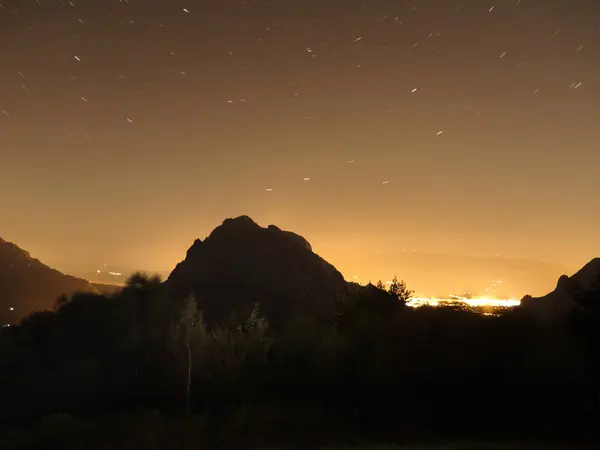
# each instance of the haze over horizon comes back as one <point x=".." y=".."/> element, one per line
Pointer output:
<point x="129" y="129"/>
<point x="428" y="274"/>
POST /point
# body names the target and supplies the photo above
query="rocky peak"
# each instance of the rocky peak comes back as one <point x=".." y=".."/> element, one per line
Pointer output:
<point x="241" y="262"/>
<point x="237" y="226"/>
<point x="589" y="275"/>
<point x="565" y="284"/>
<point x="10" y="251"/>
<point x="560" y="302"/>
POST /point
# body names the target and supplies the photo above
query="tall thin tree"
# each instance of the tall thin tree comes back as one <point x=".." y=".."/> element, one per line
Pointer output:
<point x="190" y="327"/>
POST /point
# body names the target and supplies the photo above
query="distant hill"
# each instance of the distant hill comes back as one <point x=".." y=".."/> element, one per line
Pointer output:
<point x="27" y="285"/>
<point x="240" y="263"/>
<point x="561" y="300"/>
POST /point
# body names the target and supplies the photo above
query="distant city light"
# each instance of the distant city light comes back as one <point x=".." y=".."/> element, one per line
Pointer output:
<point x="475" y="302"/>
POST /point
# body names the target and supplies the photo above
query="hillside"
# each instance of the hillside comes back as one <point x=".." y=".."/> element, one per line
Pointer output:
<point x="561" y="300"/>
<point x="27" y="285"/>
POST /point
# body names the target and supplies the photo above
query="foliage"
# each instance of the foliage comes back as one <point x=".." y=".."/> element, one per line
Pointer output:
<point x="399" y="289"/>
<point x="380" y="371"/>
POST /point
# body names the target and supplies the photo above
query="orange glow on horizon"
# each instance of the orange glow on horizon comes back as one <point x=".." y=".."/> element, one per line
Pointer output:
<point x="474" y="302"/>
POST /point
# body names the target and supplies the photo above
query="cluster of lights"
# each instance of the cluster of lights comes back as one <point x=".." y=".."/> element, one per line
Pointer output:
<point x="487" y="301"/>
<point x="114" y="274"/>
<point x="474" y="302"/>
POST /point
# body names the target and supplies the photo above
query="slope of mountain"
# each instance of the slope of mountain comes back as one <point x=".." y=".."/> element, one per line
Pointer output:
<point x="241" y="263"/>
<point x="27" y="285"/>
<point x="560" y="301"/>
<point x="589" y="275"/>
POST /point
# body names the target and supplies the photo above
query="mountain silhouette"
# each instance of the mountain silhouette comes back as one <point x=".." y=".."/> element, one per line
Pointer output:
<point x="561" y="300"/>
<point x="587" y="277"/>
<point x="241" y="263"/>
<point x="27" y="285"/>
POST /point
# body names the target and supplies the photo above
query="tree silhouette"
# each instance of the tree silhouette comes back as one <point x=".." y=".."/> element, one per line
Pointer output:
<point x="399" y="289"/>
<point x="141" y="349"/>
<point x="189" y="326"/>
<point x="61" y="301"/>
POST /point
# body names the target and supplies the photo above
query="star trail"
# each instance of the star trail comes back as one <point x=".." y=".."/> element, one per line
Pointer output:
<point x="128" y="128"/>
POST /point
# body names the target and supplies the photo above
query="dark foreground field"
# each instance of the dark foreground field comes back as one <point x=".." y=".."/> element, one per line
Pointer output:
<point x="153" y="431"/>
<point x="148" y="369"/>
<point x="466" y="446"/>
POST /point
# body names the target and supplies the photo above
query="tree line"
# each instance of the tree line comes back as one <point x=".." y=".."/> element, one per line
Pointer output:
<point x="375" y="370"/>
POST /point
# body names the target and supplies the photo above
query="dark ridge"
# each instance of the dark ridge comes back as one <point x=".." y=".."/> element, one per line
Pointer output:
<point x="27" y="285"/>
<point x="560" y="302"/>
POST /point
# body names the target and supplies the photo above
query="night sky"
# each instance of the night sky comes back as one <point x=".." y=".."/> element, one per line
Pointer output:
<point x="128" y="128"/>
